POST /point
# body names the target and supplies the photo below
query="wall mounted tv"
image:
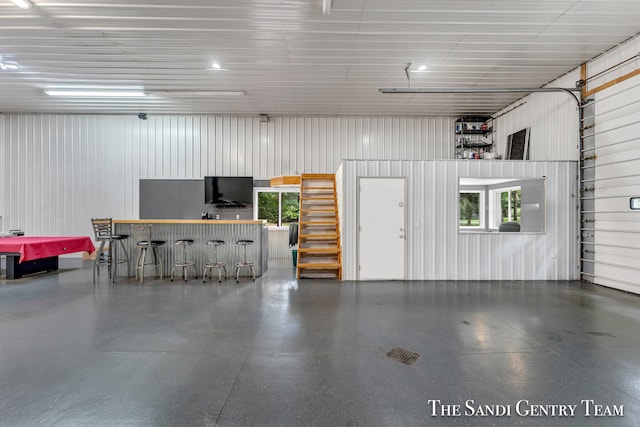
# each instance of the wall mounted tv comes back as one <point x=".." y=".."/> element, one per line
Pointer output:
<point x="228" y="191"/>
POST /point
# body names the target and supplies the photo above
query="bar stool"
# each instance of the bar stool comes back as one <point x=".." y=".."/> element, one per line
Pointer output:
<point x="103" y="230"/>
<point x="244" y="263"/>
<point x="219" y="265"/>
<point x="184" y="263"/>
<point x="142" y="233"/>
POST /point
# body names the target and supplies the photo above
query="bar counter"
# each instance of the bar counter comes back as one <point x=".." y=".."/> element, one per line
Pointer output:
<point x="200" y="231"/>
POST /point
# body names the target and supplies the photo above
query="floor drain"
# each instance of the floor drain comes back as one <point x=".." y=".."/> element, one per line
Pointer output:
<point x="403" y="355"/>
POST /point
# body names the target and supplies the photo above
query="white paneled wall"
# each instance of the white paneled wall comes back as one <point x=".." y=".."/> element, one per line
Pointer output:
<point x="617" y="178"/>
<point x="435" y="248"/>
<point x="615" y="63"/>
<point x="58" y="171"/>
<point x="2" y="202"/>
<point x="552" y="117"/>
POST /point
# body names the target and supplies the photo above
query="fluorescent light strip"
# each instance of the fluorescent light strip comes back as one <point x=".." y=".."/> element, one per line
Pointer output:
<point x="189" y="93"/>
<point x="95" y="93"/>
<point x="24" y="4"/>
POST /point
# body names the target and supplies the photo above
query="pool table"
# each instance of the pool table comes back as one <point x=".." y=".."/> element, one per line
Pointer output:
<point x="30" y="254"/>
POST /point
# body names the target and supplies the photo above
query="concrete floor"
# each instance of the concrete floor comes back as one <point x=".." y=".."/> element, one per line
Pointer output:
<point x="276" y="352"/>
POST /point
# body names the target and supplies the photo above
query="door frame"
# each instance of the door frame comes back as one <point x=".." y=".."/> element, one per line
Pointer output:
<point x="404" y="247"/>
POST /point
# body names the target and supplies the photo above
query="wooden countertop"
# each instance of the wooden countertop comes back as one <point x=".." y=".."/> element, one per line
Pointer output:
<point x="186" y="221"/>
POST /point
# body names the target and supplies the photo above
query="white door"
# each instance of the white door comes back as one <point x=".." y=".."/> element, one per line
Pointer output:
<point x="381" y="228"/>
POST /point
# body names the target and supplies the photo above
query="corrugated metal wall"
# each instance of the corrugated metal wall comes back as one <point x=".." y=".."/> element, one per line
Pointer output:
<point x="553" y="118"/>
<point x="279" y="243"/>
<point x="200" y="252"/>
<point x="616" y="227"/>
<point x="435" y="249"/>
<point x="58" y="171"/>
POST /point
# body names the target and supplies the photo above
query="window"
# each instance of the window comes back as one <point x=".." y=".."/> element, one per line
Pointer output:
<point x="487" y="203"/>
<point x="277" y="206"/>
<point x="471" y="209"/>
<point x="505" y="205"/>
<point x="510" y="204"/>
<point x="518" y="145"/>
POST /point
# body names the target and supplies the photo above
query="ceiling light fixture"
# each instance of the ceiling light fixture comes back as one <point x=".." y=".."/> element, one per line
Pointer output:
<point x="191" y="93"/>
<point x="95" y="93"/>
<point x="216" y="66"/>
<point x="326" y="7"/>
<point x="422" y="68"/>
<point x="24" y="4"/>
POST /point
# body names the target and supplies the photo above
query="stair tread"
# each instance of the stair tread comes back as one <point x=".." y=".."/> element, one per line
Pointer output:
<point x="319" y="212"/>
<point x="317" y="176"/>
<point x="320" y="265"/>
<point x="319" y="209"/>
<point x="318" y="222"/>
<point x="310" y="197"/>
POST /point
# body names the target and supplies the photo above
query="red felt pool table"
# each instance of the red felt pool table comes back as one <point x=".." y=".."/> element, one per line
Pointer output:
<point x="29" y="254"/>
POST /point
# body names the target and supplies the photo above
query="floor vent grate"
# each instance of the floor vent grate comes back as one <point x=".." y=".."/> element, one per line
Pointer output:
<point x="403" y="355"/>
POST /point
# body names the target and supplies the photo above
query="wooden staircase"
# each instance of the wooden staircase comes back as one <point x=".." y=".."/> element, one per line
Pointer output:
<point x="319" y="253"/>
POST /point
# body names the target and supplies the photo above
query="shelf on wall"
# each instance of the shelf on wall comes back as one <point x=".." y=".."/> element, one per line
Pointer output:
<point x="471" y="139"/>
<point x="474" y="131"/>
<point x="474" y="145"/>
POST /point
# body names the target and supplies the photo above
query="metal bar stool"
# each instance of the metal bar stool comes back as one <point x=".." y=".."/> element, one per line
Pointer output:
<point x="184" y="263"/>
<point x="219" y="265"/>
<point x="142" y="233"/>
<point x="244" y="263"/>
<point x="103" y="230"/>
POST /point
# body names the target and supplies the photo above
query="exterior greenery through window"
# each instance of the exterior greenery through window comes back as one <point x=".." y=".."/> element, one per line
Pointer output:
<point x="470" y="209"/>
<point x="279" y="207"/>
<point x="510" y="203"/>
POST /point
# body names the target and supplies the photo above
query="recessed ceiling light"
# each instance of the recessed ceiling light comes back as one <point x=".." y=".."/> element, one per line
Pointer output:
<point x="24" y="4"/>
<point x="422" y="68"/>
<point x="216" y="66"/>
<point x="95" y="93"/>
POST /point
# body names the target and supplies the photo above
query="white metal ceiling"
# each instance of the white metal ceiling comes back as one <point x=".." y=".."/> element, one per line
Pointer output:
<point x="289" y="58"/>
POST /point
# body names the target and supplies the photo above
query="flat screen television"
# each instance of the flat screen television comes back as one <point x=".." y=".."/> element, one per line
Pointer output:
<point x="228" y="191"/>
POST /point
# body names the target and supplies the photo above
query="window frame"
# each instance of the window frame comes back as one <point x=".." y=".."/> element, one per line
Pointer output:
<point x="495" y="206"/>
<point x="278" y="190"/>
